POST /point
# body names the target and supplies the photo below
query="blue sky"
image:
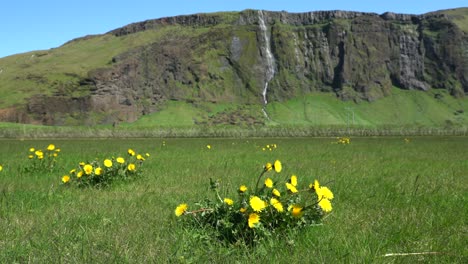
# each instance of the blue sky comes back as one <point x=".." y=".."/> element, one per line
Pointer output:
<point x="28" y="25"/>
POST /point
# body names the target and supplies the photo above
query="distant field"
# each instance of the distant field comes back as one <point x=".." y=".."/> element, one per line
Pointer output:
<point x="391" y="196"/>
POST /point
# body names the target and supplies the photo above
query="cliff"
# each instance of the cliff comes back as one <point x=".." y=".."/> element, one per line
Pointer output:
<point x="255" y="57"/>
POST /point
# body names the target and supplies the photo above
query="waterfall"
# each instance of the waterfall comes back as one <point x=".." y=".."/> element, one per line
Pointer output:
<point x="270" y="60"/>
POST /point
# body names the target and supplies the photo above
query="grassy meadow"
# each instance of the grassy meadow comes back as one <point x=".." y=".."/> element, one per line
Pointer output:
<point x="391" y="196"/>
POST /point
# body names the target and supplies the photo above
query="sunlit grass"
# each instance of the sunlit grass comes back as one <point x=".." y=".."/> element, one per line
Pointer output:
<point x="391" y="196"/>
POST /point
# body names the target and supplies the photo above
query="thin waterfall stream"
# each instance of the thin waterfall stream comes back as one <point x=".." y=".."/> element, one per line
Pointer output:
<point x="269" y="59"/>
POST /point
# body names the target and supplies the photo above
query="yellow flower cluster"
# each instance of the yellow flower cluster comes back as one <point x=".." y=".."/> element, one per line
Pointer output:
<point x="275" y="166"/>
<point x="269" y="147"/>
<point x="1" y="167"/>
<point x="98" y="173"/>
<point x="324" y="196"/>
<point x="297" y="206"/>
<point x="342" y="140"/>
<point x="42" y="160"/>
<point x="39" y="154"/>
<point x="274" y="206"/>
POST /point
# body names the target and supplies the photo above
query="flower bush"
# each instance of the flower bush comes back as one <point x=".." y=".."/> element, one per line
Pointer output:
<point x="271" y="207"/>
<point x="42" y="160"/>
<point x="102" y="173"/>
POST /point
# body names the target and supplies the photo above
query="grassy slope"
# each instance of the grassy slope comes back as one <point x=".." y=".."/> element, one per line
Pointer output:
<point x="43" y="71"/>
<point x="402" y="108"/>
<point x="459" y="17"/>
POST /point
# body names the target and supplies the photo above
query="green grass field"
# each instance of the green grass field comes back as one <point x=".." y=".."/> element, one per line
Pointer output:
<point x="390" y="197"/>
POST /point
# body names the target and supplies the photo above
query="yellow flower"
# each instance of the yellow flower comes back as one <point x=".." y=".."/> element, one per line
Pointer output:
<point x="257" y="204"/>
<point x="228" y="201"/>
<point x="131" y="167"/>
<point x="243" y="210"/>
<point x="253" y="220"/>
<point x="140" y="157"/>
<point x="57" y="150"/>
<point x="276" y="204"/>
<point x="120" y="160"/>
<point x="39" y="153"/>
<point x="40" y="157"/>
<point x="147" y="154"/>
<point x="277" y="166"/>
<point x="98" y="171"/>
<point x="131" y="152"/>
<point x="242" y="188"/>
<point x="1" y="168"/>
<point x="325" y="193"/>
<point x="268" y="183"/>
<point x="318" y="190"/>
<point x="268" y="167"/>
<point x="32" y="149"/>
<point x="294" y="180"/>
<point x="208" y="146"/>
<point x="316" y="185"/>
<point x="65" y="179"/>
<point x="181" y="209"/>
<point x="325" y="204"/>
<point x="296" y="210"/>
<point x="79" y="174"/>
<point x="88" y="169"/>
<point x="276" y="193"/>
<point x="51" y="147"/>
<point x="30" y="156"/>
<point x="82" y="164"/>
<point x="108" y="163"/>
<point x="291" y="187"/>
<point x="73" y="171"/>
<point x="55" y="154"/>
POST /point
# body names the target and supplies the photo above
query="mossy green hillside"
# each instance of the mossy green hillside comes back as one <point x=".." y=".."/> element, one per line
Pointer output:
<point x="60" y="70"/>
<point x="401" y="108"/>
<point x="458" y="16"/>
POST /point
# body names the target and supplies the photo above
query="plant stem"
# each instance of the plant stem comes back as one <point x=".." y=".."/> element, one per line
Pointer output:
<point x="199" y="211"/>
<point x="258" y="180"/>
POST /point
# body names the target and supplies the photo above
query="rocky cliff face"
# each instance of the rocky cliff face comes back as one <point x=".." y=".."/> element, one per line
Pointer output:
<point x="221" y="58"/>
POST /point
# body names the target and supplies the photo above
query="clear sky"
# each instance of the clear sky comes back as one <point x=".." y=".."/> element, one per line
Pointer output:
<point x="28" y="25"/>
